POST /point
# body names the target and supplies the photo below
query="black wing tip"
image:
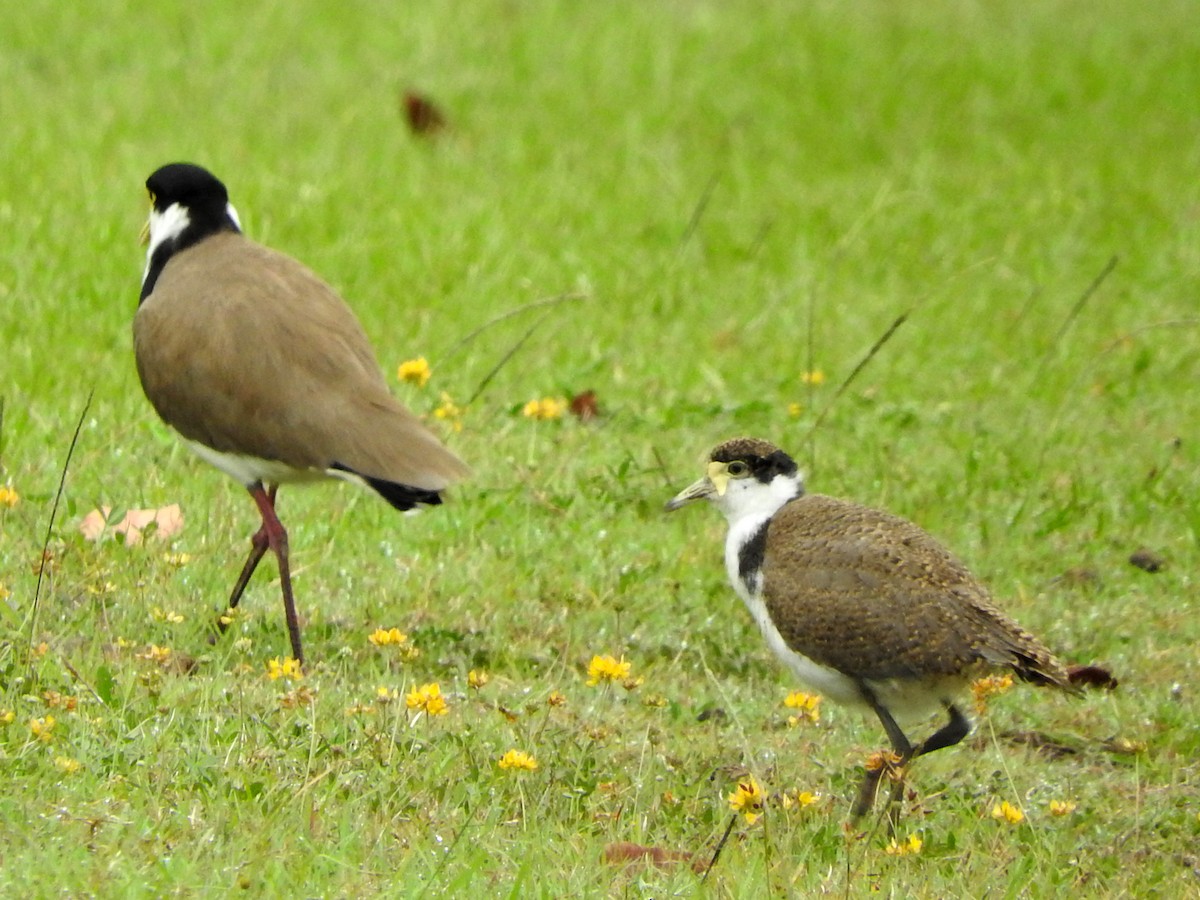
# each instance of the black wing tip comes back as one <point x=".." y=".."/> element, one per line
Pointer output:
<point x="401" y="496"/>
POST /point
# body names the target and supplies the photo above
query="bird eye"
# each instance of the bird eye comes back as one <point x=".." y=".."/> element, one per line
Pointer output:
<point x="737" y="469"/>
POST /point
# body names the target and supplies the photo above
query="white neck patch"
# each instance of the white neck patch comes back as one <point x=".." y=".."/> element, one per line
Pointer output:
<point x="166" y="226"/>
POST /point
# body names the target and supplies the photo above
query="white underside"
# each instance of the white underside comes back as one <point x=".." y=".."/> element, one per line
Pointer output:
<point x="905" y="700"/>
<point x="249" y="469"/>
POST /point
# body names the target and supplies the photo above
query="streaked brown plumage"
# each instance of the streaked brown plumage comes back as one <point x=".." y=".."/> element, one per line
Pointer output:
<point x="860" y="604"/>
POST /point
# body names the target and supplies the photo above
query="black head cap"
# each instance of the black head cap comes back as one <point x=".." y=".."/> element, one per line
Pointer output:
<point x="764" y="458"/>
<point x="188" y="185"/>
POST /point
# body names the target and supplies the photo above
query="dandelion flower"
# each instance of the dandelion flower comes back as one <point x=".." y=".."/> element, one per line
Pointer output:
<point x="42" y="728"/>
<point x="1062" y="807"/>
<point x="1006" y="812"/>
<point x="984" y="688"/>
<point x="9" y="496"/>
<point x="415" y="371"/>
<point x="748" y="799"/>
<point x="385" y="637"/>
<point x="156" y="654"/>
<point x="517" y="759"/>
<point x="66" y="765"/>
<point x="477" y="679"/>
<point x="285" y="667"/>
<point x="807" y="706"/>
<point x="427" y="698"/>
<point x="449" y="411"/>
<point x="545" y="408"/>
<point x="905" y="848"/>
<point x="605" y="668"/>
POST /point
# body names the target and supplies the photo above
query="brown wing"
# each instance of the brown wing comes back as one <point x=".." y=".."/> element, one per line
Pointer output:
<point x="873" y="595"/>
<point x="246" y="351"/>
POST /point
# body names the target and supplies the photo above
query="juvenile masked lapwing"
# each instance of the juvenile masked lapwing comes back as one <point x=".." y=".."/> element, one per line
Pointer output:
<point x="861" y="605"/>
<point x="265" y="372"/>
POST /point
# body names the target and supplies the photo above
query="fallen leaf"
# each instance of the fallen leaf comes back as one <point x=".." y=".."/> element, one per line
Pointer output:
<point x="1092" y="676"/>
<point x="628" y="853"/>
<point x="584" y="406"/>
<point x="422" y="114"/>
<point x="1147" y="560"/>
<point x="167" y="521"/>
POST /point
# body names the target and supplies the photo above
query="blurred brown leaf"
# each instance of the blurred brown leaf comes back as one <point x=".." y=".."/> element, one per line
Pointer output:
<point x="628" y="853"/>
<point x="1092" y="677"/>
<point x="422" y="114"/>
<point x="167" y="521"/>
<point x="584" y="406"/>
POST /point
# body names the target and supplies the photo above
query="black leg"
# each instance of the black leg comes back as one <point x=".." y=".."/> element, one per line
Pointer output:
<point x="949" y="734"/>
<point x="902" y="747"/>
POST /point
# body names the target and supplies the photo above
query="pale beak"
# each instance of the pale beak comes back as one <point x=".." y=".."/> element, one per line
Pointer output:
<point x="711" y="485"/>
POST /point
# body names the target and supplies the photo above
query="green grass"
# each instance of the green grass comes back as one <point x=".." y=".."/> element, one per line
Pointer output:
<point x="743" y="193"/>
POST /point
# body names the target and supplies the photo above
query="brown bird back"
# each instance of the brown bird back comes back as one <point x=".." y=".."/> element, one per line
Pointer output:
<point x="247" y="351"/>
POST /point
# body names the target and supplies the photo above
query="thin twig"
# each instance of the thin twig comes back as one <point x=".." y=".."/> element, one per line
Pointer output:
<point x="1083" y="298"/>
<point x="512" y="351"/>
<point x="862" y="364"/>
<point x="536" y="304"/>
<point x="699" y="209"/>
<point x="62" y="483"/>
<point x="720" y="846"/>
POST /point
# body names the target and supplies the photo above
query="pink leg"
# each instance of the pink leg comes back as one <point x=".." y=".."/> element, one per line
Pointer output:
<point x="277" y="540"/>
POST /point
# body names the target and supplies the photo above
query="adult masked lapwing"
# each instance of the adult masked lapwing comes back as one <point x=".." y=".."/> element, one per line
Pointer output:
<point x="861" y="605"/>
<point x="265" y="372"/>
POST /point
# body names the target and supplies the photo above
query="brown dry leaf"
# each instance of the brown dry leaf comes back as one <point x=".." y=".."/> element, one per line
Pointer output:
<point x="628" y="853"/>
<point x="584" y="406"/>
<point x="422" y="114"/>
<point x="168" y="521"/>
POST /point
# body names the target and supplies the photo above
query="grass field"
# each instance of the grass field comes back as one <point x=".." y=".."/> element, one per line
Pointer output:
<point x="728" y="198"/>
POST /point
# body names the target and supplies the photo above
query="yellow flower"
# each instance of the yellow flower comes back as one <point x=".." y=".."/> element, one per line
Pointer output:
<point x="298" y="696"/>
<point x="794" y="410"/>
<point x="556" y="698"/>
<point x="906" y="848"/>
<point x="449" y="411"/>
<point x="286" y="667"/>
<point x="156" y="654"/>
<point x="383" y="695"/>
<point x="605" y="668"/>
<point x="808" y="706"/>
<point x="5" y="593"/>
<point x="546" y="408"/>
<point x="816" y="376"/>
<point x="7" y="716"/>
<point x="416" y="371"/>
<point x="161" y="615"/>
<point x="42" y="729"/>
<point x="55" y="700"/>
<point x="227" y="618"/>
<point x="802" y="799"/>
<point x="1062" y="807"/>
<point x="1006" y="812"/>
<point x="748" y="799"/>
<point x="884" y="759"/>
<point x="477" y="679"/>
<point x="517" y="759"/>
<point x="66" y="765"/>
<point x="384" y="637"/>
<point x="989" y="686"/>
<point x="9" y="496"/>
<point x="428" y="697"/>
<point x="178" y="560"/>
<point x="41" y="649"/>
